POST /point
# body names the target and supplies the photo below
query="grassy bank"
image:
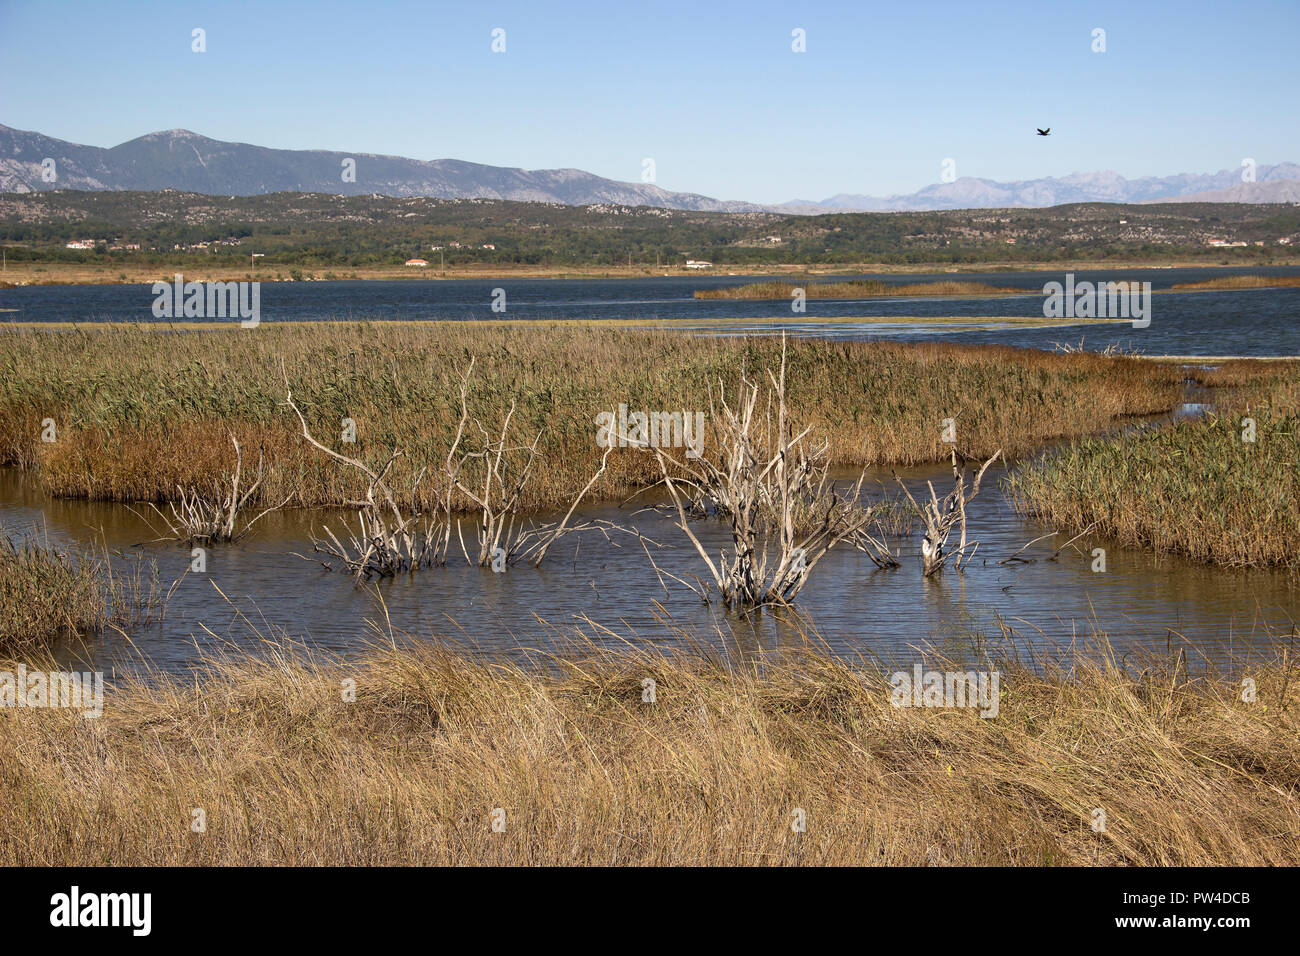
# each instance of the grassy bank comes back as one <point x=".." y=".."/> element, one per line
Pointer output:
<point x="137" y="412"/>
<point x="856" y="289"/>
<point x="47" y="594"/>
<point x="91" y="272"/>
<point x="1244" y="384"/>
<point x="744" y="322"/>
<point x="1197" y="488"/>
<point x="1238" y="282"/>
<point x="586" y="772"/>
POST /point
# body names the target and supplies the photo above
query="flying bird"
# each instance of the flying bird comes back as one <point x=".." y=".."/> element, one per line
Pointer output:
<point x="1044" y="132"/>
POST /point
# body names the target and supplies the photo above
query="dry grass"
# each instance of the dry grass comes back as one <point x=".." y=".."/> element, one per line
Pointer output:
<point x="1244" y="384"/>
<point x="858" y="289"/>
<point x="1238" y="282"/>
<point x="139" y="412"/>
<point x="587" y="773"/>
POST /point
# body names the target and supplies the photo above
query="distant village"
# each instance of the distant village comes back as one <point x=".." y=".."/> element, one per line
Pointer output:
<point x="117" y="245"/>
<point x="423" y="263"/>
<point x="1227" y="244"/>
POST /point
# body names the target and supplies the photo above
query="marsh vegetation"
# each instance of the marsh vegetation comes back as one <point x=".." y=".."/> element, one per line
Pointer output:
<point x="1238" y="282"/>
<point x="1224" y="488"/>
<point x="49" y="593"/>
<point x="140" y="413"/>
<point x="581" y="767"/>
<point x="708" y="767"/>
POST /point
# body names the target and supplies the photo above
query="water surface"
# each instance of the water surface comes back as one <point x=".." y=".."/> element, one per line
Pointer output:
<point x="1246" y="322"/>
<point x="259" y="588"/>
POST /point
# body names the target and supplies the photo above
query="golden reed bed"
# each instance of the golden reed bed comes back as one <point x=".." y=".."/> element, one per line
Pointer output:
<point x="138" y="412"/>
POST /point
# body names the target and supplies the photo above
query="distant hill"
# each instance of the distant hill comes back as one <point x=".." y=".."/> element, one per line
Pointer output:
<point x="181" y="160"/>
<point x="1282" y="182"/>
<point x="330" y="231"/>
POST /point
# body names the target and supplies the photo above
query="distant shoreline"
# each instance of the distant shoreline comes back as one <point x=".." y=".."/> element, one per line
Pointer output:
<point x="856" y="290"/>
<point x="224" y="325"/>
<point x="22" y="274"/>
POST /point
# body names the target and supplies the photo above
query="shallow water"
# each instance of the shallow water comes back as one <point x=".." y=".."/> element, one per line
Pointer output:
<point x="1248" y="322"/>
<point x="258" y="589"/>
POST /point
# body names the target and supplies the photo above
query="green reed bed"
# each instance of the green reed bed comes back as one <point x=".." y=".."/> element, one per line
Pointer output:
<point x="1196" y="488"/>
<point x="47" y="594"/>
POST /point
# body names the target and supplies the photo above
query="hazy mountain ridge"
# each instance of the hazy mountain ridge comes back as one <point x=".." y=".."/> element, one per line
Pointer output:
<point x="186" y="161"/>
<point x="182" y="160"/>
<point x="969" y="192"/>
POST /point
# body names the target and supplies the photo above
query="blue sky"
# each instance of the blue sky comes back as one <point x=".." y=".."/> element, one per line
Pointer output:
<point x="711" y="91"/>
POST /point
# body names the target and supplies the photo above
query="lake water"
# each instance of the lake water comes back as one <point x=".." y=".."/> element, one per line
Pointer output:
<point x="259" y="588"/>
<point x="1253" y="322"/>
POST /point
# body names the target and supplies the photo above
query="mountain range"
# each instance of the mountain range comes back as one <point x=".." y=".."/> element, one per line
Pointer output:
<point x="1278" y="183"/>
<point x="182" y="160"/>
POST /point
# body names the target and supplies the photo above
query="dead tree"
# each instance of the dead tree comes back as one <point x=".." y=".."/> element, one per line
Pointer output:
<point x="387" y="541"/>
<point x="772" y="489"/>
<point x="491" y="473"/>
<point x="504" y="470"/>
<point x="195" y="518"/>
<point x="941" y="517"/>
